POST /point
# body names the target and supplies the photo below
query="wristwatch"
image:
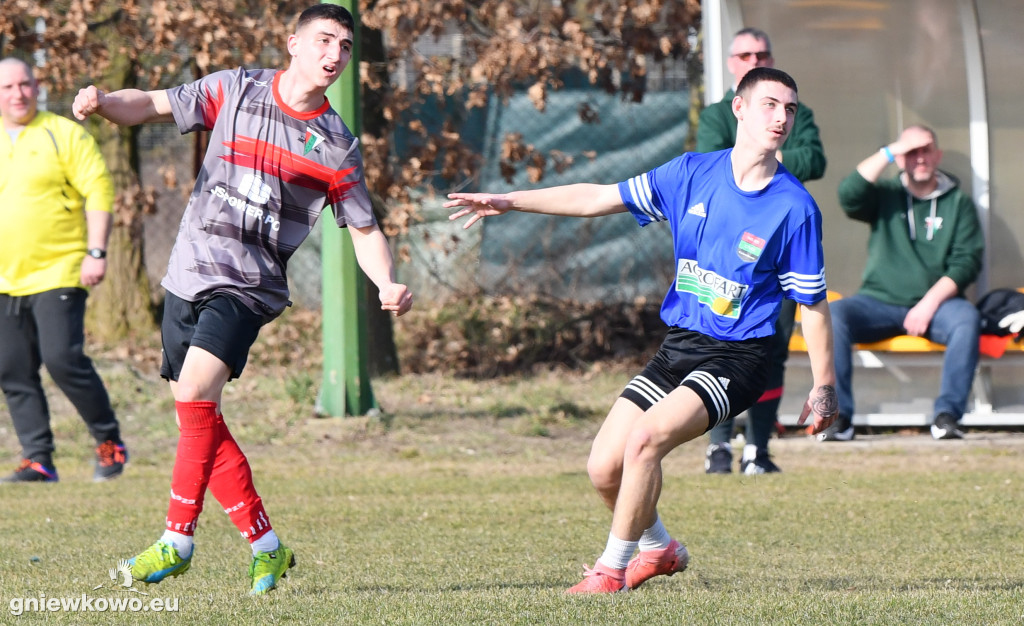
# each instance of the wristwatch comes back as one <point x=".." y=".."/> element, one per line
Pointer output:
<point x="97" y="253"/>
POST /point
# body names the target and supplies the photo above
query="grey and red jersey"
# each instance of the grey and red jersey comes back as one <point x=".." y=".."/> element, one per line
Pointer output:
<point x="268" y="173"/>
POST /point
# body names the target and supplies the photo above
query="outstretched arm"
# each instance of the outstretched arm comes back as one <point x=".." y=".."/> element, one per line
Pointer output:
<point x="374" y="257"/>
<point x="578" y="200"/>
<point x="126" y="107"/>
<point x="816" y="322"/>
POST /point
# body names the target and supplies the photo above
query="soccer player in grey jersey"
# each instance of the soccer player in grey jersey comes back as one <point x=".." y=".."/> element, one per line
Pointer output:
<point x="278" y="155"/>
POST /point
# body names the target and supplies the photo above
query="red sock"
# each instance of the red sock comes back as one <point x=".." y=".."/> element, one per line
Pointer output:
<point x="231" y="483"/>
<point x="197" y="445"/>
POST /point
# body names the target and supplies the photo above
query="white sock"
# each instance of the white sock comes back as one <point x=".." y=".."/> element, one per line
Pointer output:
<point x="749" y="452"/>
<point x="267" y="543"/>
<point x="182" y="543"/>
<point x="656" y="537"/>
<point x="618" y="552"/>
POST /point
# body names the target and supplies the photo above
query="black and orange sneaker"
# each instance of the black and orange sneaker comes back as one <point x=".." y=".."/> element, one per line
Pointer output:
<point x="31" y="472"/>
<point x="110" y="460"/>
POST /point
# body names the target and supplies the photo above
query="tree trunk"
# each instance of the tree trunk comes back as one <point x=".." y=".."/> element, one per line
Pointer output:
<point x="121" y="306"/>
<point x="383" y="353"/>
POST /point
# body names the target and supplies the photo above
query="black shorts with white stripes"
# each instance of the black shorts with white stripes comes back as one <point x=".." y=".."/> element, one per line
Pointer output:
<point x="729" y="376"/>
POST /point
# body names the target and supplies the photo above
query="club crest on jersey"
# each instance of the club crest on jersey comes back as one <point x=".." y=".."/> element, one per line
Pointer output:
<point x="750" y="248"/>
<point x="311" y="141"/>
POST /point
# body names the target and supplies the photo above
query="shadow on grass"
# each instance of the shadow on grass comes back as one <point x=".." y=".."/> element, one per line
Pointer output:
<point x="484" y="586"/>
<point x="448" y="413"/>
<point x="816" y="585"/>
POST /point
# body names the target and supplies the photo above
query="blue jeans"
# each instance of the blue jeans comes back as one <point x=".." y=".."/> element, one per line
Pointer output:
<point x="863" y="319"/>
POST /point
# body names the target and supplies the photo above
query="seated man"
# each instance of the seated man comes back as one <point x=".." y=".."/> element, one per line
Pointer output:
<point x="925" y="248"/>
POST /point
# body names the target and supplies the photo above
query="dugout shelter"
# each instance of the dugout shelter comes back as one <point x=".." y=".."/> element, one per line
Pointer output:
<point x="868" y="69"/>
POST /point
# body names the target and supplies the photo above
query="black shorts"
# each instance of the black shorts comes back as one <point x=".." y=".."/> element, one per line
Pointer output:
<point x="220" y="324"/>
<point x="729" y="376"/>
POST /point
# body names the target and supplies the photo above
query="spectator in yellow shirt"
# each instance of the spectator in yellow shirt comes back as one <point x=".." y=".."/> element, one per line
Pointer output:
<point x="56" y="198"/>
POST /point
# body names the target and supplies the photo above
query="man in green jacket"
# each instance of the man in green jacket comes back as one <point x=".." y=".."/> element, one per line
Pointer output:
<point x="803" y="155"/>
<point x="925" y="248"/>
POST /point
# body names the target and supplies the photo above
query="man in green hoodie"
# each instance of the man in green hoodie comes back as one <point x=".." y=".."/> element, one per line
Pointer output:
<point x="804" y="156"/>
<point x="925" y="248"/>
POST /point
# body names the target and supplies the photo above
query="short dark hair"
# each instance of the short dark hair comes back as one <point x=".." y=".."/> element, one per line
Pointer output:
<point x="760" y="75"/>
<point x="326" y="11"/>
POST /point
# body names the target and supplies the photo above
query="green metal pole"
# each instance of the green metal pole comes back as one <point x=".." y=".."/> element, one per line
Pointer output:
<point x="346" y="386"/>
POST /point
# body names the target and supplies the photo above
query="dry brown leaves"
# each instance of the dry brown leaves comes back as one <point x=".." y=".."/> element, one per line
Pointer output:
<point x="483" y="337"/>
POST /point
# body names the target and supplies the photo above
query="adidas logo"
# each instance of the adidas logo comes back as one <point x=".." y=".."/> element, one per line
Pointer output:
<point x="724" y="382"/>
<point x="698" y="210"/>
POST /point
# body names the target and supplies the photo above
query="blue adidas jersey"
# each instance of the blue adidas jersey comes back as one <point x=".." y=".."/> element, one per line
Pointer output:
<point x="738" y="253"/>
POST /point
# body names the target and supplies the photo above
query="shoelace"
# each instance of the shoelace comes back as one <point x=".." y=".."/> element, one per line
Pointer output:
<point x="107" y="453"/>
<point x="588" y="572"/>
<point x="164" y="553"/>
<point x="262" y="557"/>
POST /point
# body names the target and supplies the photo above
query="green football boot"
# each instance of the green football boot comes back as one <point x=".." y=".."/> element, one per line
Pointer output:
<point x="269" y="567"/>
<point x="159" y="561"/>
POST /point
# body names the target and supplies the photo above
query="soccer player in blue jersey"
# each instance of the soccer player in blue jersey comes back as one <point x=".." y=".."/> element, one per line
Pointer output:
<point x="278" y="155"/>
<point x="746" y="234"/>
<point x="804" y="157"/>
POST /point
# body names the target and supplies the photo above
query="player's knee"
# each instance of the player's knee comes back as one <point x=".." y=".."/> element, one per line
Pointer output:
<point x="189" y="392"/>
<point x="642" y="446"/>
<point x="605" y="474"/>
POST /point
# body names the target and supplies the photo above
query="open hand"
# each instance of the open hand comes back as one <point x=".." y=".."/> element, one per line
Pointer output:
<point x="480" y="205"/>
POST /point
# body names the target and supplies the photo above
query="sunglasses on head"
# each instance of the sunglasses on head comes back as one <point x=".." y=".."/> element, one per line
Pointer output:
<point x="761" y="56"/>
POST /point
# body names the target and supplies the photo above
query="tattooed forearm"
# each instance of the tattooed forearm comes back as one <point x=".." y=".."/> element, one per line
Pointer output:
<point x="825" y="403"/>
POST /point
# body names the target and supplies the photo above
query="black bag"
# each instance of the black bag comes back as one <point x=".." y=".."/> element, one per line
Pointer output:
<point x="997" y="304"/>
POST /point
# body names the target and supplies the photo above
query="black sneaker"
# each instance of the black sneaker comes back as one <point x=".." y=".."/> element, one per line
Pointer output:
<point x="110" y="460"/>
<point x="945" y="427"/>
<point x="718" y="459"/>
<point x="840" y="430"/>
<point x="757" y="461"/>
<point x="31" y="472"/>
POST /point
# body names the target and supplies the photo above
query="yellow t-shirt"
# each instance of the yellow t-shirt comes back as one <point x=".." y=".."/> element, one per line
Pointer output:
<point x="46" y="176"/>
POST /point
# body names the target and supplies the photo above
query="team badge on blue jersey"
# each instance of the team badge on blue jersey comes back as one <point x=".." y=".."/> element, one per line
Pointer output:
<point x="311" y="140"/>
<point x="750" y="248"/>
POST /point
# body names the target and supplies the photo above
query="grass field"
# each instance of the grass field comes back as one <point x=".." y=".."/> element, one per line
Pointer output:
<point x="467" y="503"/>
